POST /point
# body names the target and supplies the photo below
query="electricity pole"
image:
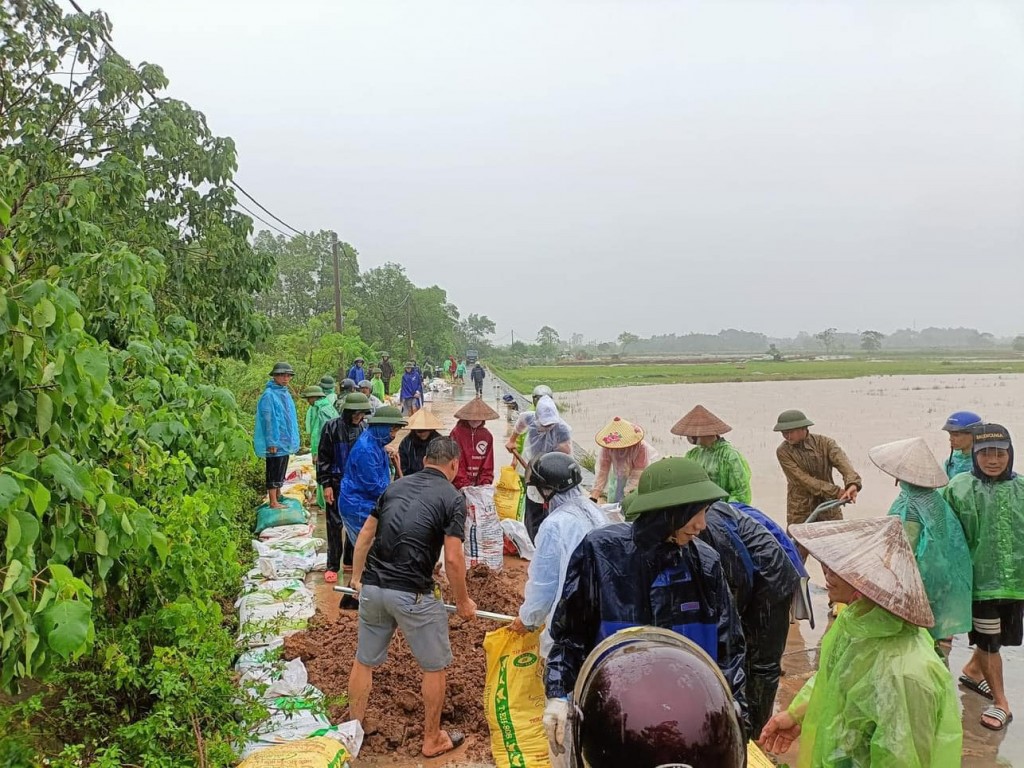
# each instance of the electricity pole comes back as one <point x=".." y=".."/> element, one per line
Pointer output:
<point x="337" y="282"/>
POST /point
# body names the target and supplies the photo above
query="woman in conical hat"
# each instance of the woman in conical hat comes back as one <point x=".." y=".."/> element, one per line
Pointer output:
<point x="423" y="427"/>
<point x="881" y="696"/>
<point x="476" y="443"/>
<point x="720" y="459"/>
<point x="623" y="456"/>
<point x="934" y="532"/>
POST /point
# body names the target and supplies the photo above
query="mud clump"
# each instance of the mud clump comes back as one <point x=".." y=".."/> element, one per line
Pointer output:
<point x="394" y="717"/>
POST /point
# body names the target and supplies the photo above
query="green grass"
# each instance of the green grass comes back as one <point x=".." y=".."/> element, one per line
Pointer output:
<point x="566" y="378"/>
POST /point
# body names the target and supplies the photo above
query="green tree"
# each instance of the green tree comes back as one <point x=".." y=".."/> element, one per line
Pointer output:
<point x="871" y="341"/>
<point x="626" y="338"/>
<point x="827" y="338"/>
<point x="1018" y="344"/>
<point x="547" y="337"/>
<point x="773" y="350"/>
<point x="474" y="330"/>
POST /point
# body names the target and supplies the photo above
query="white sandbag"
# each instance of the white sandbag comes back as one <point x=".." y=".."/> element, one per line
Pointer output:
<point x="290" y="553"/>
<point x="283" y="532"/>
<point x="262" y="656"/>
<point x="291" y="718"/>
<point x="262" y="617"/>
<point x="349" y="733"/>
<point x="276" y="679"/>
<point x="270" y="568"/>
<point x="484" y="541"/>
<point x="518" y="535"/>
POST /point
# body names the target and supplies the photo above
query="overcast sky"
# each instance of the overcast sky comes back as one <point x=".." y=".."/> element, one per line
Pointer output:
<point x="635" y="165"/>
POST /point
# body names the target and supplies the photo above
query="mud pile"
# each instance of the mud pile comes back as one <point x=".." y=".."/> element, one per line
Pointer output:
<point x="394" y="718"/>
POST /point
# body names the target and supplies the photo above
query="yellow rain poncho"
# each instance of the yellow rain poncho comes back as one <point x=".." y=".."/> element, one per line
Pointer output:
<point x="881" y="697"/>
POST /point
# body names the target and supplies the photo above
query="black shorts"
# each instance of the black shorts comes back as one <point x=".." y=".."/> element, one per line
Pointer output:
<point x="996" y="623"/>
<point x="277" y="468"/>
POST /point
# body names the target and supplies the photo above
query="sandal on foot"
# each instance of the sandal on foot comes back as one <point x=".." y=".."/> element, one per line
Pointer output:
<point x="998" y="714"/>
<point x="980" y="687"/>
<point x="330" y="577"/>
<point x="456" y="738"/>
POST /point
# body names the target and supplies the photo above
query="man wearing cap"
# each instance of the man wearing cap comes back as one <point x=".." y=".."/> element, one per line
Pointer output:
<point x="423" y="428"/>
<point x="412" y="389"/>
<point x="989" y="502"/>
<point x="276" y="435"/>
<point x="387" y="371"/>
<point x="336" y="440"/>
<point x="476" y="444"/>
<point x="357" y="372"/>
<point x="808" y="461"/>
<point x="408" y="527"/>
<point x="655" y="572"/>
<point x="881" y="696"/>
<point x="959" y="426"/>
<point x="724" y="464"/>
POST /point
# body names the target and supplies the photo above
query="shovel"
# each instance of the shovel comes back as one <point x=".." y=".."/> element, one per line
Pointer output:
<point x="450" y="608"/>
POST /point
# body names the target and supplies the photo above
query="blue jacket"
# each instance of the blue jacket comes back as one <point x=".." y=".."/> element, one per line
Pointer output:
<point x="777" y="533"/>
<point x="367" y="476"/>
<point x="277" y="424"/>
<point x="412" y="382"/>
<point x="625" y="576"/>
<point x="357" y="373"/>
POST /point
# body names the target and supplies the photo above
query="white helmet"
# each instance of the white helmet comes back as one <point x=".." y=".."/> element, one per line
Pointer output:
<point x="540" y="391"/>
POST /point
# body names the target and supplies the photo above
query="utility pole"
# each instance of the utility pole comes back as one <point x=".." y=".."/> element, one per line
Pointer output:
<point x="337" y="282"/>
<point x="513" y="337"/>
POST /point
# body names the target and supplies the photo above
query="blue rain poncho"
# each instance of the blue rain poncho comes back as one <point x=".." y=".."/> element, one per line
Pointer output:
<point x="367" y="476"/>
<point x="277" y="423"/>
<point x="881" y="697"/>
<point x="571" y="516"/>
<point x="942" y="556"/>
<point x="958" y="463"/>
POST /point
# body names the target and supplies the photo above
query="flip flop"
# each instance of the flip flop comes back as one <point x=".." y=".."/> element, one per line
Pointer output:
<point x="457" y="739"/>
<point x="330" y="577"/>
<point x="999" y="714"/>
<point x="980" y="687"/>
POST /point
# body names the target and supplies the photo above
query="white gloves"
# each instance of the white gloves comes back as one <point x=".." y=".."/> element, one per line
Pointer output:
<point x="555" y="714"/>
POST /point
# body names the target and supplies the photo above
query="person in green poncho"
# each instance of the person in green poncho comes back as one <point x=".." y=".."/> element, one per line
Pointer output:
<point x="989" y="502"/>
<point x="959" y="426"/>
<point x="377" y="385"/>
<point x="720" y="459"/>
<point x="934" y="532"/>
<point x="327" y="384"/>
<point x="321" y="410"/>
<point x="881" y="697"/>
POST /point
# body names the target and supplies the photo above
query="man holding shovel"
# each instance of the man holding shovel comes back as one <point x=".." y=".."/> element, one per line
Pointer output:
<point x="415" y="518"/>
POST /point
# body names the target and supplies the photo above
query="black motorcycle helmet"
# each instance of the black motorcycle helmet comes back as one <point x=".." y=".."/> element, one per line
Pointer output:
<point x="649" y="697"/>
<point x="554" y="472"/>
<point x="347" y="385"/>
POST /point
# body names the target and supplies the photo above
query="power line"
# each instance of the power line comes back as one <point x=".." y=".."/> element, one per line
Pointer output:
<point x="261" y="219"/>
<point x="232" y="182"/>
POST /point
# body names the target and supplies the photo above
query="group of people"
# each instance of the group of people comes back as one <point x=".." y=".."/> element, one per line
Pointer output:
<point x="694" y="557"/>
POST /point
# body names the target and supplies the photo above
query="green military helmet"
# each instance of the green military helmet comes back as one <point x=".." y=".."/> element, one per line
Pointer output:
<point x="388" y="415"/>
<point x="282" y="368"/>
<point x="792" y="419"/>
<point x="672" y="482"/>
<point x="627" y="502"/>
<point x="327" y="383"/>
<point x="409" y="364"/>
<point x="312" y="391"/>
<point x="357" y="401"/>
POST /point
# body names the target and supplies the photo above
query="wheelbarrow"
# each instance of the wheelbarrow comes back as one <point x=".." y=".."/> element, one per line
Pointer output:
<point x="825" y="507"/>
<point x="801" y="607"/>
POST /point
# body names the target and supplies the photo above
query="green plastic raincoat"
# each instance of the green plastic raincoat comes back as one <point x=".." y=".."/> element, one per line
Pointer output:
<point x="318" y="414"/>
<point x="958" y="463"/>
<point x="726" y="467"/>
<point x="881" y="697"/>
<point x="941" y="551"/>
<point x="992" y="516"/>
<point x="377" y="389"/>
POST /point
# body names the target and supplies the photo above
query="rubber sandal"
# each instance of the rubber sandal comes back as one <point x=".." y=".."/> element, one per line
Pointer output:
<point x="996" y="713"/>
<point x="980" y="687"/>
<point x="330" y="577"/>
<point x="457" y="739"/>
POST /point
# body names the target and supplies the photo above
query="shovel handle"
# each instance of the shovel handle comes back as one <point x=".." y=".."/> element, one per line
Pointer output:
<point x="518" y="457"/>
<point x="450" y="608"/>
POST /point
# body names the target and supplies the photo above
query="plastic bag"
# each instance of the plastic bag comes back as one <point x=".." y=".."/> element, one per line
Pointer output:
<point x="283" y="532"/>
<point x="265" y="616"/>
<point x="507" y="494"/>
<point x="318" y="752"/>
<point x="290" y="554"/>
<point x="517" y="533"/>
<point x="514" y="699"/>
<point x="292" y="513"/>
<point x="484" y="542"/>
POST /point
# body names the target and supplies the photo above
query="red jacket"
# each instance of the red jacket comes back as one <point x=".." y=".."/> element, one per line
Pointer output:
<point x="476" y="460"/>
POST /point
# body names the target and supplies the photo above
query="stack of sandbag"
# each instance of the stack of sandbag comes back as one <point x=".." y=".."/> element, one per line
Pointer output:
<point x="299" y="479"/>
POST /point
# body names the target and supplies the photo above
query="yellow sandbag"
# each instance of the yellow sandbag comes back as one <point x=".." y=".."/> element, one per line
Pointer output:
<point x="318" y="752"/>
<point x="507" y="493"/>
<point x="514" y="699"/>
<point x="756" y="758"/>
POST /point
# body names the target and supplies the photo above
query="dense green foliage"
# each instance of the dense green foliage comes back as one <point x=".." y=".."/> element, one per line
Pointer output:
<point x="123" y="272"/>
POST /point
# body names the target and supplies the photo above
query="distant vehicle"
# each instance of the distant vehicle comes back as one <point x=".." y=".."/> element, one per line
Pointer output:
<point x="471" y="356"/>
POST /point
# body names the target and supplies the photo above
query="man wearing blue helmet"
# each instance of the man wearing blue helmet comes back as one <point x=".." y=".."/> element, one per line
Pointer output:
<point x="961" y="439"/>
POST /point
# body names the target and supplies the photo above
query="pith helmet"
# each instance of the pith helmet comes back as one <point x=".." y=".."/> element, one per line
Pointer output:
<point x="673" y="482"/>
<point x="357" y="401"/>
<point x="281" y="368"/>
<point x="388" y="415"/>
<point x="312" y="391"/>
<point x="327" y="383"/>
<point x="792" y="419"/>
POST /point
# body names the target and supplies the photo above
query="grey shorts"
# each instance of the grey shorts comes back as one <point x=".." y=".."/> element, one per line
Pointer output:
<point x="409" y="405"/>
<point x="422" y="619"/>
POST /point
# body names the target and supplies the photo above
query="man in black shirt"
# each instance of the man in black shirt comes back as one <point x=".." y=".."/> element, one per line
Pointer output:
<point x="393" y="571"/>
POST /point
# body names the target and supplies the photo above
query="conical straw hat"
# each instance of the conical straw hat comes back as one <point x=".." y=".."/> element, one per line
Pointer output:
<point x="910" y="461"/>
<point x="424" y="420"/>
<point x="700" y="422"/>
<point x="875" y="558"/>
<point x="619" y="433"/>
<point x="476" y="410"/>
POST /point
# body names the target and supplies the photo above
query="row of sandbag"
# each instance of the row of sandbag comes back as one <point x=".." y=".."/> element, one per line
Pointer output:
<point x="275" y="602"/>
